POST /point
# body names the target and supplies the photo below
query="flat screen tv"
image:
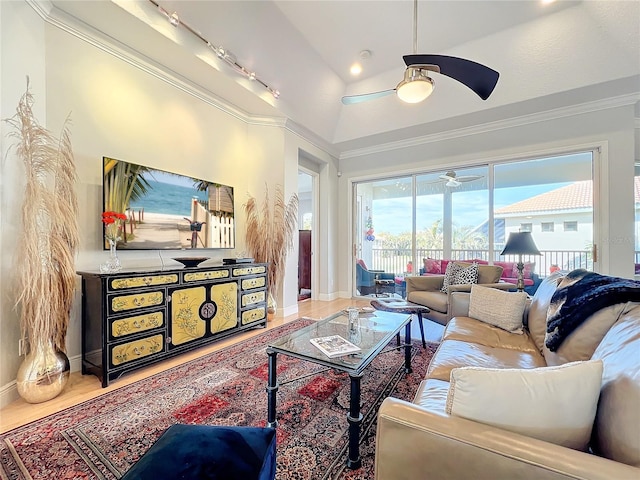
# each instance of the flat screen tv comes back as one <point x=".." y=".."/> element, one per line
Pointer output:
<point x="166" y="210"/>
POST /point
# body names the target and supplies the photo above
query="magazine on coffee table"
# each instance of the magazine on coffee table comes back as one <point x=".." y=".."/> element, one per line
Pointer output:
<point x="334" y="346"/>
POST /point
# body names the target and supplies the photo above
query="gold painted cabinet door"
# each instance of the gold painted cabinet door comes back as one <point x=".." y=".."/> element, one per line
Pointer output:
<point x="186" y="324"/>
<point x="225" y="296"/>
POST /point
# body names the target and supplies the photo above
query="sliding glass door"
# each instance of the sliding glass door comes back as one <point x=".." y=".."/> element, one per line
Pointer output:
<point x="466" y="214"/>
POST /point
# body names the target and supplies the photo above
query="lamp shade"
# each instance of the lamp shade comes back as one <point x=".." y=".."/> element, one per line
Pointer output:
<point x="520" y="243"/>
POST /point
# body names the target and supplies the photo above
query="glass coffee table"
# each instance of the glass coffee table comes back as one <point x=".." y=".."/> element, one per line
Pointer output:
<point x="374" y="333"/>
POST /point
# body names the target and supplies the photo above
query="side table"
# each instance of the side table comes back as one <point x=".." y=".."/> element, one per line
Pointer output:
<point x="402" y="306"/>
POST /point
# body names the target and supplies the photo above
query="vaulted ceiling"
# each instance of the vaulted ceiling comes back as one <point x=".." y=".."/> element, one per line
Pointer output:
<point x="549" y="56"/>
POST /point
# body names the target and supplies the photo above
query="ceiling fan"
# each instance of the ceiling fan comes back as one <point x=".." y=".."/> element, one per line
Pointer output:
<point x="417" y="85"/>
<point x="453" y="180"/>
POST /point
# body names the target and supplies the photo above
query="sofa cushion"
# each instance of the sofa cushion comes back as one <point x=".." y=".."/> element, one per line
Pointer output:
<point x="460" y="274"/>
<point x="471" y="330"/>
<point x="536" y="319"/>
<point x="455" y="353"/>
<point x="435" y="300"/>
<point x="582" y="342"/>
<point x="617" y="424"/>
<point x="554" y="404"/>
<point x="432" y="395"/>
<point x="499" y="308"/>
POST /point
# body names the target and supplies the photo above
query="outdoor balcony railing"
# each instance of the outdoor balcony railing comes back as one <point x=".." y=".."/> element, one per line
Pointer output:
<point x="396" y="260"/>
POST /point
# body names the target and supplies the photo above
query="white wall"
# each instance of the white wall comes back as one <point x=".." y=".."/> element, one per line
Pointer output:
<point x="22" y="53"/>
<point x="123" y="111"/>
<point x="611" y="128"/>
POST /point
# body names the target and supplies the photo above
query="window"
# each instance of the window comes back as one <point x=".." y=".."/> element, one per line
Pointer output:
<point x="526" y="227"/>
<point x="570" y="226"/>
<point x="546" y="226"/>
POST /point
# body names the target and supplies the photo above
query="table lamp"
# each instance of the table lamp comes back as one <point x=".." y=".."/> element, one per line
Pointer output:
<point x="520" y="243"/>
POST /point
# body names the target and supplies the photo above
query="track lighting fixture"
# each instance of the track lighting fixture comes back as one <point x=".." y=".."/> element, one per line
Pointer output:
<point x="221" y="52"/>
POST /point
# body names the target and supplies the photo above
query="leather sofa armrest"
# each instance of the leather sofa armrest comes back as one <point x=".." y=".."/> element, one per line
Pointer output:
<point x="459" y="306"/>
<point x="412" y="441"/>
<point x="464" y="290"/>
<point x="431" y="283"/>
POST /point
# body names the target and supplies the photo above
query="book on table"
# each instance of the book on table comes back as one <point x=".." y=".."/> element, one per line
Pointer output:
<point x="334" y="346"/>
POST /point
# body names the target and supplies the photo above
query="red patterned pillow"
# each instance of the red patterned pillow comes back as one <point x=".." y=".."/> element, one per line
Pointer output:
<point x="432" y="266"/>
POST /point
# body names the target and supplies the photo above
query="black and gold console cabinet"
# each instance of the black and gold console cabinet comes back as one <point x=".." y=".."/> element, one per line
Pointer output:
<point x="132" y="319"/>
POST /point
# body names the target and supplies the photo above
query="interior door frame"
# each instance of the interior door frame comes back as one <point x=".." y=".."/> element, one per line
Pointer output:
<point x="315" y="225"/>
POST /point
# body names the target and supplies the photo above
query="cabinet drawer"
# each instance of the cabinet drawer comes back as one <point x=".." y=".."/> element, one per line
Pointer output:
<point x="136" y="350"/>
<point x="123" y="303"/>
<point x="256" y="282"/>
<point x="243" y="272"/>
<point x="146" y="281"/>
<point x="210" y="275"/>
<point x="253" y="315"/>
<point x="255" y="297"/>
<point x="138" y="323"/>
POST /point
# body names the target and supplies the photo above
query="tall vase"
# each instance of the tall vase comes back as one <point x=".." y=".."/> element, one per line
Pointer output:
<point x="43" y="373"/>
<point x="272" y="306"/>
<point x="113" y="262"/>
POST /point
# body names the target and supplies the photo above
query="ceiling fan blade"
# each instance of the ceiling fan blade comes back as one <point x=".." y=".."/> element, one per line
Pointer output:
<point x="468" y="178"/>
<point x="351" y="99"/>
<point x="479" y="78"/>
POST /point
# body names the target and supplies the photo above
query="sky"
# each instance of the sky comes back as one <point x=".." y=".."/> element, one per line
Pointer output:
<point x="469" y="208"/>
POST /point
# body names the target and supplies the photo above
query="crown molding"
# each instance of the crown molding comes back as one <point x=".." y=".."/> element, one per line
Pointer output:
<point x="54" y="16"/>
<point x="538" y="117"/>
<point x="312" y="138"/>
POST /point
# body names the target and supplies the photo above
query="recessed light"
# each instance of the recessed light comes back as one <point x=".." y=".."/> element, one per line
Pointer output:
<point x="547" y="2"/>
<point x="356" y="69"/>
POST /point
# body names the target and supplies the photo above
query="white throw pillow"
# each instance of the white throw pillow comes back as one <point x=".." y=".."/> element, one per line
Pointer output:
<point x="457" y="274"/>
<point x="555" y="404"/>
<point x="497" y="307"/>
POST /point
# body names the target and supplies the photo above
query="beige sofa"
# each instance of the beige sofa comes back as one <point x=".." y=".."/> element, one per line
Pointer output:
<point x="419" y="440"/>
<point x="426" y="290"/>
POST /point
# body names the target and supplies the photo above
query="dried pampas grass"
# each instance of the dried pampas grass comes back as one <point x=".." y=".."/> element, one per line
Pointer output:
<point x="270" y="231"/>
<point x="48" y="244"/>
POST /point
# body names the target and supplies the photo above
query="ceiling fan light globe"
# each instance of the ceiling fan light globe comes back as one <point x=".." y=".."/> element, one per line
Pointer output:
<point x="414" y="90"/>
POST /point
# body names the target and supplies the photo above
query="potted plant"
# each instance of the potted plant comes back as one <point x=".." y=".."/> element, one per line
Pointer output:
<point x="270" y="230"/>
<point x="46" y="275"/>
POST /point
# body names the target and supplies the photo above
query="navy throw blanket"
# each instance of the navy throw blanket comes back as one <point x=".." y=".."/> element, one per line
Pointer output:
<point x="586" y="293"/>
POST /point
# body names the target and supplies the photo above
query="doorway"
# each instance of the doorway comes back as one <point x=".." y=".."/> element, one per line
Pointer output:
<point x="305" y="226"/>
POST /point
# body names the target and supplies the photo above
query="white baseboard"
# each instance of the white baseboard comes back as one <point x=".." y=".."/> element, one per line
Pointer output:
<point x="327" y="297"/>
<point x="290" y="310"/>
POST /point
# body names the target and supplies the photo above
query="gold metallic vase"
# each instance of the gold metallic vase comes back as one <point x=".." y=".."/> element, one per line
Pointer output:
<point x="272" y="306"/>
<point x="43" y="374"/>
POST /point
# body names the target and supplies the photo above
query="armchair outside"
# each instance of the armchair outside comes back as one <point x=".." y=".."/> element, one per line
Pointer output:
<point x="366" y="279"/>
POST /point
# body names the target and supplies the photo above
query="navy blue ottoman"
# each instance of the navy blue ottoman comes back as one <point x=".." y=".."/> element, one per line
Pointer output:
<point x="204" y="452"/>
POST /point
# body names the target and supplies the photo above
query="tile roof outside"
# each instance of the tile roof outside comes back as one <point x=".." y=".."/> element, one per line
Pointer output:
<point x="578" y="195"/>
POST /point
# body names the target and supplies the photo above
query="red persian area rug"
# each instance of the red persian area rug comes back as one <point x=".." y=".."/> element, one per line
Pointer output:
<point x="102" y="438"/>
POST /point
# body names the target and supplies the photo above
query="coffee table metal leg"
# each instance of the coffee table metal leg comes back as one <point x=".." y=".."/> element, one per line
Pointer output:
<point x="424" y="344"/>
<point x="272" y="389"/>
<point x="355" y="419"/>
<point x="407" y="348"/>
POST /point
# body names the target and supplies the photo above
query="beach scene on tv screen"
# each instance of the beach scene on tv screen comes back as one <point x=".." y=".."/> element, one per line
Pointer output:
<point x="166" y="210"/>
